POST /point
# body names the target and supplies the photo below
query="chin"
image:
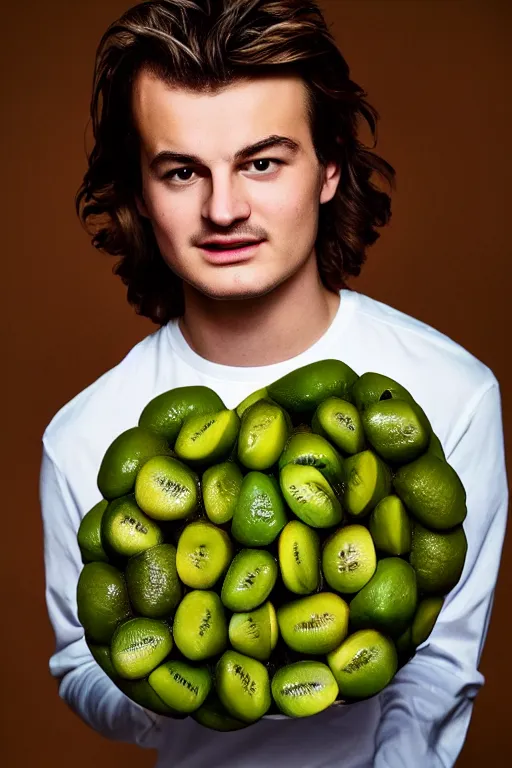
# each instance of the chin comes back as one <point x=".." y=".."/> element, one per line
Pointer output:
<point x="234" y="292"/>
<point x="236" y="287"/>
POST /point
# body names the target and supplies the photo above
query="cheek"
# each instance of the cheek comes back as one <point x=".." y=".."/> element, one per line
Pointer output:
<point x="155" y="200"/>
<point x="289" y="207"/>
<point x="164" y="213"/>
<point x="296" y="213"/>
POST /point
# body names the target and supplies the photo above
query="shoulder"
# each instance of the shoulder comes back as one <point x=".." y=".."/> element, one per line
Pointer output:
<point x="445" y="378"/>
<point x="110" y="403"/>
<point x="420" y="344"/>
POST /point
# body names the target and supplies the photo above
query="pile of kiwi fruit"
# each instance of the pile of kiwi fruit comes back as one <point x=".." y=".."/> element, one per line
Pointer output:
<point x="260" y="561"/>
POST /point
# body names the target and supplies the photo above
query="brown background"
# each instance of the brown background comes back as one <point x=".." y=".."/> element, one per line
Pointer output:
<point x="438" y="71"/>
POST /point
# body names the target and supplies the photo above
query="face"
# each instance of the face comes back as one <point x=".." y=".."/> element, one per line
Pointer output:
<point x="203" y="178"/>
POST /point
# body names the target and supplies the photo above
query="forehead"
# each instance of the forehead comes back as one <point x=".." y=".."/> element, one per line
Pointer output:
<point x="216" y="124"/>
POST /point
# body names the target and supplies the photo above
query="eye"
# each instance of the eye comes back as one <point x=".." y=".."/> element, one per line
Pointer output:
<point x="264" y="161"/>
<point x="174" y="174"/>
<point x="184" y="174"/>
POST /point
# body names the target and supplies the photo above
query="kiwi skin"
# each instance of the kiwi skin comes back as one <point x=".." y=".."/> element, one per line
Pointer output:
<point x="304" y="688"/>
<point x="299" y="557"/>
<point x="255" y="633"/>
<point x="199" y="640"/>
<point x="314" y="624"/>
<point x="200" y="566"/>
<point x="249" y="580"/>
<point x="212" y="714"/>
<point x="196" y="678"/>
<point x="243" y="686"/>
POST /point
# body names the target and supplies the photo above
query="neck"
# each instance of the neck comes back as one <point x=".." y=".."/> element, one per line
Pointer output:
<point x="262" y="330"/>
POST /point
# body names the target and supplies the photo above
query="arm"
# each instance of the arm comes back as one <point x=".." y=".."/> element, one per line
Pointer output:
<point x="427" y="708"/>
<point x="82" y="683"/>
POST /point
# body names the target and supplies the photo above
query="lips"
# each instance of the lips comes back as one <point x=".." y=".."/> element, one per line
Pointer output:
<point x="226" y="254"/>
<point x="229" y="246"/>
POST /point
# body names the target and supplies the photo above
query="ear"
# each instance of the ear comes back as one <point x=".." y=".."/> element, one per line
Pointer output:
<point x="330" y="180"/>
<point x="141" y="206"/>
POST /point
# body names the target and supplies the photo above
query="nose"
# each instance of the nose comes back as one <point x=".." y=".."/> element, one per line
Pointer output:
<point x="226" y="200"/>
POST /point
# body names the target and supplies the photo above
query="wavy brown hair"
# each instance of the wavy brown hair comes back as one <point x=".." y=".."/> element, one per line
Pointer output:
<point x="205" y="45"/>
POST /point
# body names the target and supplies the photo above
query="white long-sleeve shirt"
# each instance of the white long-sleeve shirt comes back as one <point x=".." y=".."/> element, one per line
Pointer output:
<point x="422" y="717"/>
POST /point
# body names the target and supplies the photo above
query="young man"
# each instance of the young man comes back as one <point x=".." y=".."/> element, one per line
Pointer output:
<point x="234" y="121"/>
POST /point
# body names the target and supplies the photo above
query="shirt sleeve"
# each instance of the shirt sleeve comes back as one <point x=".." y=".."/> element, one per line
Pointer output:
<point x="427" y="708"/>
<point x="83" y="685"/>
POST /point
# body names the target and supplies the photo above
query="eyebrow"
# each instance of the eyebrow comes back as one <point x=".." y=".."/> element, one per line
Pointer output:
<point x="167" y="155"/>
